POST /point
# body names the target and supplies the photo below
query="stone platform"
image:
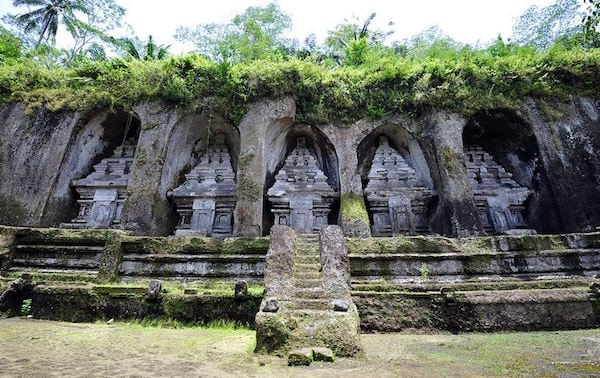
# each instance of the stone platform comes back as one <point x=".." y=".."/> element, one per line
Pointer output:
<point x="479" y="284"/>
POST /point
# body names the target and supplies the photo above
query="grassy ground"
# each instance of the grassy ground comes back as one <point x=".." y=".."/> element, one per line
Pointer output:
<point x="43" y="348"/>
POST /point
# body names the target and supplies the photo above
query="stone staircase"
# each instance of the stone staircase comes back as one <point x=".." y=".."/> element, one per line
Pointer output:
<point x="303" y="305"/>
<point x="60" y="254"/>
<point x="308" y="293"/>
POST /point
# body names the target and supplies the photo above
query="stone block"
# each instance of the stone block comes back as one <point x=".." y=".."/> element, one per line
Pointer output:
<point x="300" y="357"/>
<point x="322" y="354"/>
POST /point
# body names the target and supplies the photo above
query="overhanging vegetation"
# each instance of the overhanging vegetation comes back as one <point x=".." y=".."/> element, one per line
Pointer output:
<point x="462" y="80"/>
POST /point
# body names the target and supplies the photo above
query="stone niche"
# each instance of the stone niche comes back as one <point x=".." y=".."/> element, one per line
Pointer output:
<point x="206" y="200"/>
<point x="396" y="200"/>
<point x="102" y="193"/>
<point x="499" y="199"/>
<point x="514" y="147"/>
<point x="301" y="197"/>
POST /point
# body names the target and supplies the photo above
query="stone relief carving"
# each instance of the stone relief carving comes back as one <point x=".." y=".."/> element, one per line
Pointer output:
<point x="498" y="197"/>
<point x="397" y="202"/>
<point x="205" y="201"/>
<point x="102" y="193"/>
<point x="301" y="197"/>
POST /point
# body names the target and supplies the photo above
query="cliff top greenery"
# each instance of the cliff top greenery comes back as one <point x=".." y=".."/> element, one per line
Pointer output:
<point x="354" y="76"/>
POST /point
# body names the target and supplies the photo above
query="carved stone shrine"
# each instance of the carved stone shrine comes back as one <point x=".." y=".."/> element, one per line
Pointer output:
<point x="102" y="193"/>
<point x="498" y="197"/>
<point x="205" y="201"/>
<point x="301" y="197"/>
<point x="397" y="202"/>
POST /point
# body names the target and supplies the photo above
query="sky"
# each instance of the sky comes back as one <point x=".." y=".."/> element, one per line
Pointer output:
<point x="475" y="22"/>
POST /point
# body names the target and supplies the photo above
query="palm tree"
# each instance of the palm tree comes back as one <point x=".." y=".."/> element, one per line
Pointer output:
<point x="355" y="30"/>
<point x="47" y="15"/>
<point x="152" y="50"/>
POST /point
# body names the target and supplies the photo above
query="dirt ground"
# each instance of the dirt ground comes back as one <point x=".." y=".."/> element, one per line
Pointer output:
<point x="44" y="348"/>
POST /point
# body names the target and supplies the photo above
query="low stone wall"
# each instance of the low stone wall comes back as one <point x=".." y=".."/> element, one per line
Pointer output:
<point x="480" y="311"/>
<point x="87" y="304"/>
<point x="414" y="259"/>
<point x="523" y="310"/>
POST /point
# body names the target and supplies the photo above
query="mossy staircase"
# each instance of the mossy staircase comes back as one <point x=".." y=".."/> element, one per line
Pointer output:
<point x="62" y="253"/>
<point x="308" y="293"/>
<point x="303" y="306"/>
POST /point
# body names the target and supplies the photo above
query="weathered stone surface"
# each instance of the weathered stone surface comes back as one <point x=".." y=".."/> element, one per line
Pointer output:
<point x="334" y="261"/>
<point x="31" y="152"/>
<point x="499" y="198"/>
<point x="280" y="262"/>
<point x="301" y="197"/>
<point x="341" y="305"/>
<point x="102" y="193"/>
<point x="12" y="292"/>
<point x="568" y="138"/>
<point x="261" y="125"/>
<point x="270" y="305"/>
<point x="323" y="354"/>
<point x="154" y="288"/>
<point x="241" y="289"/>
<point x="549" y="146"/>
<point x="443" y="147"/>
<point x="305" y="316"/>
<point x="146" y="207"/>
<point x="300" y="357"/>
<point x="205" y="201"/>
<point x="397" y="202"/>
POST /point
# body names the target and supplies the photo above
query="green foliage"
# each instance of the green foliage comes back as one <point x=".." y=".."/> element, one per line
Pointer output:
<point x="541" y="27"/>
<point x="26" y="307"/>
<point x="255" y="34"/>
<point x="10" y="45"/>
<point x="439" y="74"/>
<point x="44" y="19"/>
<point x="591" y="21"/>
<point x="135" y="49"/>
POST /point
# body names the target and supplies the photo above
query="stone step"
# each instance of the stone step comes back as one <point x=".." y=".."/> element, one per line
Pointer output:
<point x="311" y="293"/>
<point x="306" y="259"/>
<point x="308" y="283"/>
<point x="316" y="315"/>
<point x="314" y="275"/>
<point x="58" y="262"/>
<point x="304" y="267"/>
<point x="306" y="251"/>
<point x="466" y="285"/>
<point x="70" y="271"/>
<point x="58" y="249"/>
<point x="311" y="304"/>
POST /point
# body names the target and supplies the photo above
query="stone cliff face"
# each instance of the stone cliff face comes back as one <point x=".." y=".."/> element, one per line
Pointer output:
<point x="550" y="148"/>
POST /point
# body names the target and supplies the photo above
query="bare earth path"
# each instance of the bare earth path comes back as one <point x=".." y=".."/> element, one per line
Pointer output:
<point x="43" y="348"/>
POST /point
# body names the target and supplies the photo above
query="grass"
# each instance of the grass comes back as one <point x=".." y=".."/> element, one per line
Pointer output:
<point x="33" y="347"/>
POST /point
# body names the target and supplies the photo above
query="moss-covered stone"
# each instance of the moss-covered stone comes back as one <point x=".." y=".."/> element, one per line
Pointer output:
<point x="355" y="219"/>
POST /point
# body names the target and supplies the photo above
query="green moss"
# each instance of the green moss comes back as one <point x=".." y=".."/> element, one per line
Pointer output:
<point x="245" y="159"/>
<point x="141" y="156"/>
<point x="354" y="209"/>
<point x="247" y="189"/>
<point x="449" y="158"/>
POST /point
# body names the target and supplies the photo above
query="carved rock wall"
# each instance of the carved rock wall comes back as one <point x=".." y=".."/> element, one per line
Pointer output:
<point x="41" y="154"/>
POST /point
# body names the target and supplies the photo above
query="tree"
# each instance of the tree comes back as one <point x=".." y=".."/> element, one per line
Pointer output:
<point x="257" y="33"/>
<point x="47" y="15"/>
<point x="135" y="49"/>
<point x="352" y="40"/>
<point x="101" y="17"/>
<point x="541" y="27"/>
<point x="591" y="20"/>
<point x="10" y="45"/>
